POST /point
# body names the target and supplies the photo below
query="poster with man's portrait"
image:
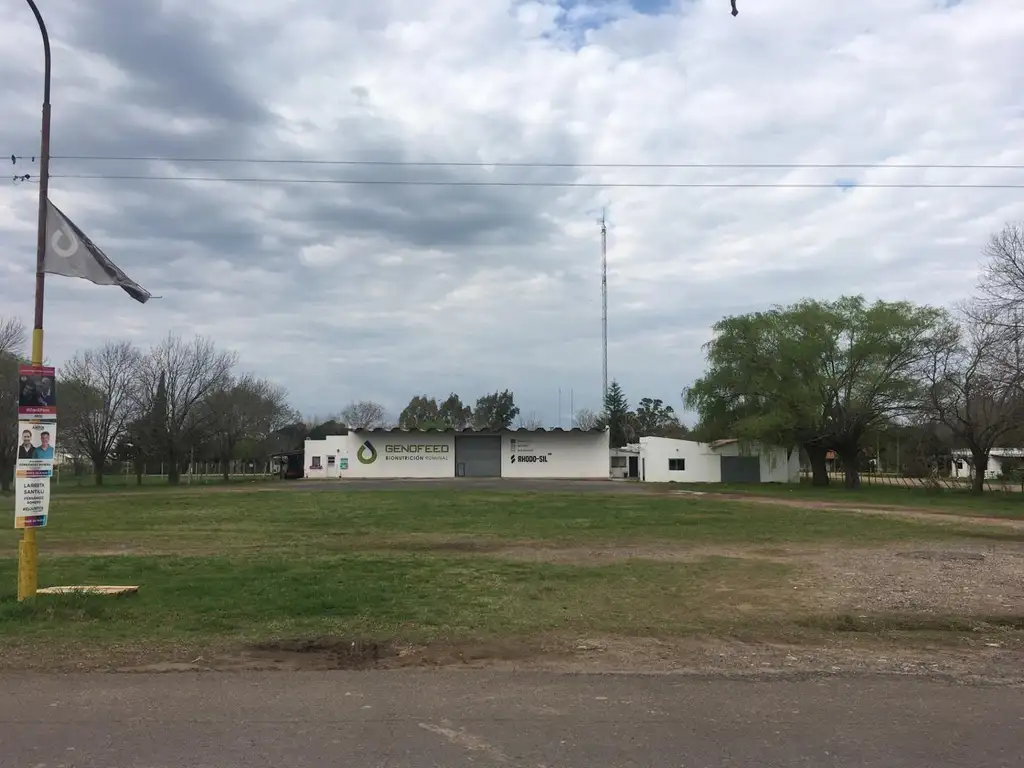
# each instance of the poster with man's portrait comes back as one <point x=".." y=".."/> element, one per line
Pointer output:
<point x="37" y="390"/>
<point x="37" y="446"/>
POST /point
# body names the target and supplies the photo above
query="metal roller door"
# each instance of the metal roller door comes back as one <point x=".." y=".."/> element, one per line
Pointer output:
<point x="477" y="456"/>
<point x="741" y="469"/>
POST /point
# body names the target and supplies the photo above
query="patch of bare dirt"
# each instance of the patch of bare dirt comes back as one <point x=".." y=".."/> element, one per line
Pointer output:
<point x="960" y="579"/>
<point x="596" y="555"/>
<point x="989" y="662"/>
<point x="913" y="513"/>
<point x="949" y="578"/>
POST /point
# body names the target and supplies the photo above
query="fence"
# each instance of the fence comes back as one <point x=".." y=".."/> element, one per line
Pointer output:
<point x="935" y="481"/>
<point x="123" y="473"/>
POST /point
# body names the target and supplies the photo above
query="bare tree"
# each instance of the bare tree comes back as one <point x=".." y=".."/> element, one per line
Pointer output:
<point x="586" y="419"/>
<point x="12" y="344"/>
<point x="1002" y="278"/>
<point x="12" y="337"/>
<point x="973" y="381"/>
<point x="244" y="408"/>
<point x="190" y="371"/>
<point x="98" y="400"/>
<point x="365" y="414"/>
<point x="529" y="422"/>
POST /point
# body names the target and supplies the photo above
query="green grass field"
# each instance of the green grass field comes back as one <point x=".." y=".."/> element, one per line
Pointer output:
<point x="244" y="566"/>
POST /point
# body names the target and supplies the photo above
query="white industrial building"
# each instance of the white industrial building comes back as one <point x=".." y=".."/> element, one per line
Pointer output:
<point x="665" y="460"/>
<point x="521" y="453"/>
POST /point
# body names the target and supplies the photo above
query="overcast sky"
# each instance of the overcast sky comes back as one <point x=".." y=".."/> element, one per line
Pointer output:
<point x="382" y="291"/>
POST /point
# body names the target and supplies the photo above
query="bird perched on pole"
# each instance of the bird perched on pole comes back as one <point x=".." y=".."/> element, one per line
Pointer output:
<point x="734" y="11"/>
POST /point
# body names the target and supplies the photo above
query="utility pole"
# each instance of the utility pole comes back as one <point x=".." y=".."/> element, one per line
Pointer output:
<point x="28" y="547"/>
<point x="604" y="308"/>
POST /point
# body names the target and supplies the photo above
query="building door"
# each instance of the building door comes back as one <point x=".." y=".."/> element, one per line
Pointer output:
<point x="741" y="469"/>
<point x="478" y="455"/>
<point x="634" y="466"/>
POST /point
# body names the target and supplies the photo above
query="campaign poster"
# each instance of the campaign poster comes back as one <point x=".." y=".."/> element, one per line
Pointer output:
<point x="31" y="502"/>
<point x="37" y="391"/>
<point x="37" y="445"/>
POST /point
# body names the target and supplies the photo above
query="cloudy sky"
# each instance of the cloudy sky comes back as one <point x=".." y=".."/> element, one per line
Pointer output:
<point x="426" y="280"/>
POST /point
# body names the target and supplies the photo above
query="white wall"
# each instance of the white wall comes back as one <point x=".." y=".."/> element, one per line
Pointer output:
<point x="702" y="464"/>
<point x="775" y="466"/>
<point x="398" y="454"/>
<point x="582" y="455"/>
<point x="579" y="455"/>
<point x="961" y="467"/>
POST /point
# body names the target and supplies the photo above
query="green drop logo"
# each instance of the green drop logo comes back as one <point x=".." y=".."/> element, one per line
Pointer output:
<point x="366" y="454"/>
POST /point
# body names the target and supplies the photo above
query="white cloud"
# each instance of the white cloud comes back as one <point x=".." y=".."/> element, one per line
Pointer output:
<point x="383" y="291"/>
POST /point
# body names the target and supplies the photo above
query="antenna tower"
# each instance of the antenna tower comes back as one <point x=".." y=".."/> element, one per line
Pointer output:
<point x="604" y="308"/>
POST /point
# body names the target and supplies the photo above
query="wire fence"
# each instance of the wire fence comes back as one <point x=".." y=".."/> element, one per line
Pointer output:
<point x="933" y="482"/>
<point x="122" y="473"/>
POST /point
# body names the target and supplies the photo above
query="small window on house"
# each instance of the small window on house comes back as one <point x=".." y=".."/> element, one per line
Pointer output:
<point x="315" y="464"/>
<point x="959" y="465"/>
<point x="330" y="461"/>
<point x="618" y="461"/>
<point x="677" y="465"/>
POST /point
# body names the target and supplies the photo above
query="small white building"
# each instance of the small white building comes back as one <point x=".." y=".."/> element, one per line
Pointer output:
<point x="664" y="460"/>
<point x="625" y="462"/>
<point x="998" y="461"/>
<point x="520" y="453"/>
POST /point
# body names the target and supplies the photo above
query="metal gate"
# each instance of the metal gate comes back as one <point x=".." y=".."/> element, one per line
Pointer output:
<point x="741" y="469"/>
<point x="477" y="456"/>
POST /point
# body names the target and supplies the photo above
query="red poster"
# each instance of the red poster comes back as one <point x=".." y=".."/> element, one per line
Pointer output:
<point x="37" y="391"/>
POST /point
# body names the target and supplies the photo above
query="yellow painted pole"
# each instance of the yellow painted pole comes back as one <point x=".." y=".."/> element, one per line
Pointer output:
<point x="28" y="547"/>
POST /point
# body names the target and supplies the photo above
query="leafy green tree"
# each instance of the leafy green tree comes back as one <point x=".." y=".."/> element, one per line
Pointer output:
<point x="656" y="419"/>
<point x="454" y="414"/>
<point x="820" y="375"/>
<point x="320" y="431"/>
<point x="496" y="411"/>
<point x="422" y="412"/>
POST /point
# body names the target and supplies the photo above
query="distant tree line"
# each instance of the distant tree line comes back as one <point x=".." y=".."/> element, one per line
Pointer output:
<point x="837" y="376"/>
<point x="173" y="403"/>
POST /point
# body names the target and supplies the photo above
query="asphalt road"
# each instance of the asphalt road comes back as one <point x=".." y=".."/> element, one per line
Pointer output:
<point x="424" y="719"/>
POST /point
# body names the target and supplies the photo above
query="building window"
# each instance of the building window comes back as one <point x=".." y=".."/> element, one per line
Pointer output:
<point x="330" y="461"/>
<point x="677" y="465"/>
<point x="315" y="464"/>
<point x="619" y="462"/>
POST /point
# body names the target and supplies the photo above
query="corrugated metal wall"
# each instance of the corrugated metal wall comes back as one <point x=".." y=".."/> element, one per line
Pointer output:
<point x="477" y="456"/>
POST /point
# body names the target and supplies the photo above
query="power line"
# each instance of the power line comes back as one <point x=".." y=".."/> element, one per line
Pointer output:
<point x="538" y="164"/>
<point x="562" y="184"/>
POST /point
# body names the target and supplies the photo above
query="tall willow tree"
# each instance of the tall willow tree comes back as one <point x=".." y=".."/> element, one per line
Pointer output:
<point x="815" y="374"/>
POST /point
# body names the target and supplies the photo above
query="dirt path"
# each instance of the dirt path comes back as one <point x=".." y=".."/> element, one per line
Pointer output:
<point x="912" y="513"/>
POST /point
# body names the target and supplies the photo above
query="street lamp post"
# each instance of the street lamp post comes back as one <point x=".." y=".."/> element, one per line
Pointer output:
<point x="28" y="548"/>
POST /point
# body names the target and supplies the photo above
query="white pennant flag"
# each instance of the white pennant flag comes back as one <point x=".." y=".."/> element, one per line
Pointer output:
<point x="70" y="253"/>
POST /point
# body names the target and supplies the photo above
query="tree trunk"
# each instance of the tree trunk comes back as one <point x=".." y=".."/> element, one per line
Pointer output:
<point x="225" y="465"/>
<point x="173" y="471"/>
<point x="97" y="470"/>
<point x="6" y="478"/>
<point x="851" y="467"/>
<point x="980" y="459"/>
<point x="819" y="469"/>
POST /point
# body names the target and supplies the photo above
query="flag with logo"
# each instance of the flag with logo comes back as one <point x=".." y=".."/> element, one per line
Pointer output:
<point x="70" y="253"/>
